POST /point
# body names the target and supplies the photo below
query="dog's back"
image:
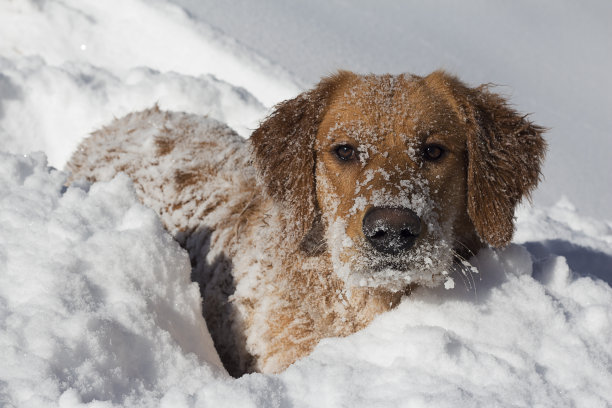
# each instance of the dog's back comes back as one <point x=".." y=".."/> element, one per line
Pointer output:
<point x="193" y="171"/>
<point x="183" y="165"/>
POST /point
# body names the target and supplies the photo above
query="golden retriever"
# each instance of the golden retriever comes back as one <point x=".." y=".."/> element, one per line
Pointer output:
<point x="343" y="199"/>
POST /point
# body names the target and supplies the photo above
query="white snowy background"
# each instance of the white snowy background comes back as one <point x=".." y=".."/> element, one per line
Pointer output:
<point x="96" y="307"/>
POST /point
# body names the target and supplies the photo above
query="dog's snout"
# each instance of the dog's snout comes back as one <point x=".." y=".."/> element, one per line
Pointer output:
<point x="391" y="230"/>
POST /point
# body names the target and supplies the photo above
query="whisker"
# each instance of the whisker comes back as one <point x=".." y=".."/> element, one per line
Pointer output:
<point x="456" y="241"/>
<point x="468" y="271"/>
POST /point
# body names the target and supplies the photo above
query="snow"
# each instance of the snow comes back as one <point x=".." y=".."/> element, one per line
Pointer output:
<point x="96" y="306"/>
<point x="96" y="300"/>
<point x="73" y="99"/>
<point x="514" y="342"/>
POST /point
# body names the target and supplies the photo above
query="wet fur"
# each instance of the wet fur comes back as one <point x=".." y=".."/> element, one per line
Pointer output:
<point x="258" y="217"/>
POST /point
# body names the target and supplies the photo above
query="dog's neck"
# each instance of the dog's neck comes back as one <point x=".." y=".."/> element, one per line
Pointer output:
<point x="312" y="301"/>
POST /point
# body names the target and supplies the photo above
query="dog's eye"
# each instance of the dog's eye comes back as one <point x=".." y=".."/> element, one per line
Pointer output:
<point x="433" y="152"/>
<point x="345" y="152"/>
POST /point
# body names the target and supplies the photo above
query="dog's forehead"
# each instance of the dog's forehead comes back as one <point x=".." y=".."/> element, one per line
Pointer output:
<point x="402" y="107"/>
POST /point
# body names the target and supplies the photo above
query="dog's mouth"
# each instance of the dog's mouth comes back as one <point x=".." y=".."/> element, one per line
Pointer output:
<point x="424" y="264"/>
<point x="359" y="264"/>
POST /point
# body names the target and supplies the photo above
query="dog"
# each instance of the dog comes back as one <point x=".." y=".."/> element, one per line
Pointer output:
<point x="342" y="201"/>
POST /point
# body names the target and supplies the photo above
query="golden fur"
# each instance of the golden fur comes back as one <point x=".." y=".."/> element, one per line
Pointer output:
<point x="274" y="225"/>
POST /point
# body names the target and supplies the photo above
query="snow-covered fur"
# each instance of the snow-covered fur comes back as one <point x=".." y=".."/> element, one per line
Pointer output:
<point x="275" y="225"/>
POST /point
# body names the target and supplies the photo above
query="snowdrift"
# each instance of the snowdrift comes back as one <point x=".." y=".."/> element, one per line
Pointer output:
<point x="96" y="309"/>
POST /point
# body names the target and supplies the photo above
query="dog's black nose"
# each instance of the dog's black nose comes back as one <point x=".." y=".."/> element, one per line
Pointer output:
<point x="391" y="230"/>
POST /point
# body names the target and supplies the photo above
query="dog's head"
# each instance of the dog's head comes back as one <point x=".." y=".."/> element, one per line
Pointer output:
<point x="396" y="175"/>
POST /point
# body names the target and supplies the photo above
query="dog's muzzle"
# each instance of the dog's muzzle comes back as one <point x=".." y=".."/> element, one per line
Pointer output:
<point x="391" y="230"/>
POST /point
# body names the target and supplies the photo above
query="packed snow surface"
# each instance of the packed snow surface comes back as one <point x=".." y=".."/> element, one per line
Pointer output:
<point x="96" y="306"/>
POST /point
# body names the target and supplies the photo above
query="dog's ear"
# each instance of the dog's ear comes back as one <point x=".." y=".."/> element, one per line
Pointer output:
<point x="284" y="156"/>
<point x="505" y="153"/>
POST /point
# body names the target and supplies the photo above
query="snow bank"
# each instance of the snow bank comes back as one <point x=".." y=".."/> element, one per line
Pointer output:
<point x="96" y="309"/>
<point x="585" y="242"/>
<point x="67" y="68"/>
<point x="123" y="34"/>
<point x="53" y="107"/>
<point x="95" y="297"/>
<point x="514" y="340"/>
